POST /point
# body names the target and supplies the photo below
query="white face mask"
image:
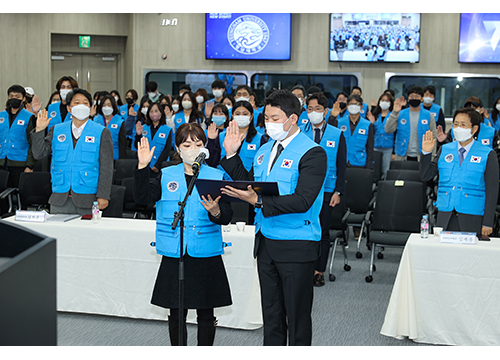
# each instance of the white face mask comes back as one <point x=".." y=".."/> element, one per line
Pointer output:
<point x="275" y="130"/>
<point x="187" y="105"/>
<point x="461" y="134"/>
<point x="497" y="106"/>
<point x="218" y="93"/>
<point x="63" y="93"/>
<point x="242" y="120"/>
<point x="315" y="117"/>
<point x="152" y="95"/>
<point x="200" y="99"/>
<point x="384" y="105"/>
<point x="107" y="110"/>
<point x="354" y="109"/>
<point x="175" y="107"/>
<point x="189" y="156"/>
<point x="144" y="111"/>
<point x="81" y="112"/>
<point x="242" y="99"/>
<point x="116" y="99"/>
<point x="229" y="107"/>
<point x="428" y="100"/>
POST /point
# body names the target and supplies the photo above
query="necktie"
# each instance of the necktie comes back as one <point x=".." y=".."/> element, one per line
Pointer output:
<point x="278" y="152"/>
<point x="316" y="136"/>
<point x="461" y="152"/>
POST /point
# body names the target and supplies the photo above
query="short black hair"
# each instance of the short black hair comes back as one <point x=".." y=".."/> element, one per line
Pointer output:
<point x="79" y="91"/>
<point x="431" y="89"/>
<point x="356" y="87"/>
<point x="312" y="90"/>
<point x="320" y="98"/>
<point x="301" y="88"/>
<point x="341" y="93"/>
<point x="246" y="87"/>
<point x="185" y="87"/>
<point x="151" y="86"/>
<point x="355" y="97"/>
<point x="475" y="117"/>
<point x="415" y="90"/>
<point x="285" y="100"/>
<point x="218" y="84"/>
<point x="17" y="89"/>
<point x="390" y="91"/>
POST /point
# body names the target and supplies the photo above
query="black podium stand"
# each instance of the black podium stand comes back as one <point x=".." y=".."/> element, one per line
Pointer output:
<point x="28" y="307"/>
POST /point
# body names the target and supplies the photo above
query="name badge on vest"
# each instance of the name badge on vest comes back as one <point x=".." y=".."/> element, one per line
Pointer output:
<point x="61" y="138"/>
<point x="2" y="120"/>
<point x="287" y="164"/>
<point x="89" y="139"/>
<point x="448" y="158"/>
<point x="123" y="112"/>
<point x="161" y="135"/>
<point x="114" y="126"/>
<point x="20" y="122"/>
<point x="434" y="114"/>
<point x="403" y="121"/>
<point x="252" y="147"/>
<point x="53" y="114"/>
<point x="179" y="120"/>
<point x="260" y="159"/>
<point x="330" y="143"/>
<point x="425" y="122"/>
<point x="475" y="159"/>
<point x="304" y="121"/>
<point x="144" y="133"/>
<point x="173" y="186"/>
<point x="485" y="141"/>
<point x="362" y="131"/>
<point x="343" y="128"/>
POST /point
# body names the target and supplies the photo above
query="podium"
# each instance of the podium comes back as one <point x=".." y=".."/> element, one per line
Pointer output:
<point x="28" y="306"/>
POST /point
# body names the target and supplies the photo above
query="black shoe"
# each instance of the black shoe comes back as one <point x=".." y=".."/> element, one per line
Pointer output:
<point x="319" y="280"/>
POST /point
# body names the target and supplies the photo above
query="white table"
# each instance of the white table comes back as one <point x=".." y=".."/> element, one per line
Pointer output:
<point x="110" y="268"/>
<point x="446" y="293"/>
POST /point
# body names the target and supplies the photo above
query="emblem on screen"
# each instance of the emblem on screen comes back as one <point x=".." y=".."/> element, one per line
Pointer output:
<point x="248" y="34"/>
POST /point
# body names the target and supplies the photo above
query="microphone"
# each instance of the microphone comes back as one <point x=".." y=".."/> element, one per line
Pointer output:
<point x="200" y="159"/>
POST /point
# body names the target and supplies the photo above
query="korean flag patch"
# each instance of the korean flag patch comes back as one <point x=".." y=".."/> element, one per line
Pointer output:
<point x="252" y="147"/>
<point x="330" y="143"/>
<point x="425" y="122"/>
<point x="362" y="131"/>
<point x="161" y="135"/>
<point x="305" y="121"/>
<point x="287" y="164"/>
<point x="260" y="159"/>
<point x="20" y="122"/>
<point x="172" y="186"/>
<point x="114" y="126"/>
<point x="485" y="141"/>
<point x="475" y="159"/>
<point x="89" y="139"/>
<point x="448" y="158"/>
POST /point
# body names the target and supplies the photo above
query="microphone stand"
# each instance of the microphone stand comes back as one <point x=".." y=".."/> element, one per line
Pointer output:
<point x="179" y="216"/>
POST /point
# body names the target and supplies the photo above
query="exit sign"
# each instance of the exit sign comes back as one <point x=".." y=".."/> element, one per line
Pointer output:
<point x="84" y="42"/>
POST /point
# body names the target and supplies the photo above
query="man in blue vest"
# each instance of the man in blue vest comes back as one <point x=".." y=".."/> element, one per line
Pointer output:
<point x="468" y="177"/>
<point x="82" y="157"/>
<point x="333" y="142"/>
<point x="218" y="90"/>
<point x="339" y="109"/>
<point x="300" y="92"/>
<point x="288" y="230"/>
<point x="430" y="105"/>
<point x="356" y="90"/>
<point x="58" y="112"/>
<point x="411" y="124"/>
<point x="15" y="144"/>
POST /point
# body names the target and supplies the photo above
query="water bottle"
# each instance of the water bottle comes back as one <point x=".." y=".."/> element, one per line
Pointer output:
<point x="424" y="227"/>
<point x="95" y="212"/>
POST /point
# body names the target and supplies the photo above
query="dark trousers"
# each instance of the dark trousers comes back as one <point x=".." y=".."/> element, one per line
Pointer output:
<point x="286" y="297"/>
<point x="324" y="219"/>
<point x="14" y="174"/>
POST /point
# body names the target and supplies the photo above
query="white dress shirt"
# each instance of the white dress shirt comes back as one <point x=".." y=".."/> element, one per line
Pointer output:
<point x="77" y="131"/>
<point x="283" y="143"/>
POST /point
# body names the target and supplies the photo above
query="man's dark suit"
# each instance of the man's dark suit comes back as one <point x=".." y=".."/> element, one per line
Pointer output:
<point x="465" y="222"/>
<point x="286" y="267"/>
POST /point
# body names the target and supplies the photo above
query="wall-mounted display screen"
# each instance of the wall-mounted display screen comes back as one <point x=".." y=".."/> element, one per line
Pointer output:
<point x="479" y="38"/>
<point x="375" y="37"/>
<point x="231" y="36"/>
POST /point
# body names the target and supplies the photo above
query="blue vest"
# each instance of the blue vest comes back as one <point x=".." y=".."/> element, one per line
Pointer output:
<point x="14" y="144"/>
<point x="356" y="143"/>
<point x="114" y="127"/>
<point x="434" y="110"/>
<point x="256" y="113"/>
<point x="383" y="139"/>
<point x="54" y="112"/>
<point x="403" y="130"/>
<point x="485" y="136"/>
<point x="292" y="226"/>
<point x="159" y="140"/>
<point x="123" y="111"/>
<point x="303" y="120"/>
<point x="179" y="119"/>
<point x="77" y="168"/>
<point x="462" y="187"/>
<point x="495" y="122"/>
<point x="247" y="150"/>
<point x="202" y="238"/>
<point x="330" y="143"/>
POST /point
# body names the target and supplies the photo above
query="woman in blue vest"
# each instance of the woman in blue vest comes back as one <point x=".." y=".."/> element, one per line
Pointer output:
<point x="109" y="117"/>
<point x="159" y="135"/>
<point x="188" y="111"/>
<point x="58" y="111"/>
<point x="141" y="118"/>
<point x="468" y="177"/>
<point x="128" y="112"/>
<point x="384" y="142"/>
<point x="206" y="283"/>
<point x="494" y="117"/>
<point x="358" y="133"/>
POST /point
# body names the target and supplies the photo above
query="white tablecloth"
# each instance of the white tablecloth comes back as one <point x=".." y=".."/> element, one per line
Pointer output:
<point x="110" y="268"/>
<point x="446" y="293"/>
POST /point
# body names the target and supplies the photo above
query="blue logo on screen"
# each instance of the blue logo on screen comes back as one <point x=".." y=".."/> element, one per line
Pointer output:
<point x="248" y="34"/>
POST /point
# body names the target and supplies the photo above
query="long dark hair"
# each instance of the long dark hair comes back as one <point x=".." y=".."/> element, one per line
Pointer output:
<point x="494" y="112"/>
<point x="162" y="119"/>
<point x="251" y="132"/>
<point x="140" y="116"/>
<point x="224" y="110"/>
<point x="378" y="110"/>
<point x="196" y="115"/>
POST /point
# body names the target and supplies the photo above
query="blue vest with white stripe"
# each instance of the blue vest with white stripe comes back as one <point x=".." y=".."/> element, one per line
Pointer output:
<point x="383" y="139"/>
<point x="330" y="143"/>
<point x="114" y="126"/>
<point x="356" y="143"/>
<point x="403" y="130"/>
<point x="291" y="226"/>
<point x="159" y="140"/>
<point x="462" y="188"/>
<point x="13" y="142"/>
<point x="485" y="136"/>
<point x="434" y="110"/>
<point x="202" y="238"/>
<point x="77" y="168"/>
<point x="54" y="112"/>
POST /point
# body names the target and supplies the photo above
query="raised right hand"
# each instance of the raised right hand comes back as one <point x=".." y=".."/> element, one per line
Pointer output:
<point x="131" y="111"/>
<point x="138" y="128"/>
<point x="93" y="110"/>
<point x="212" y="131"/>
<point x="335" y="109"/>
<point x="144" y="155"/>
<point x="428" y="141"/>
<point x="233" y="139"/>
<point x="440" y="134"/>
<point x="398" y="104"/>
<point x="41" y="120"/>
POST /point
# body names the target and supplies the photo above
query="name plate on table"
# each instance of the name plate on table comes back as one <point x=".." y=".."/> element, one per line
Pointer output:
<point x="455" y="237"/>
<point x="31" y="216"/>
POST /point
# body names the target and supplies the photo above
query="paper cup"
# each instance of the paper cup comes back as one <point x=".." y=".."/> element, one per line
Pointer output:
<point x="240" y="225"/>
<point x="437" y="230"/>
